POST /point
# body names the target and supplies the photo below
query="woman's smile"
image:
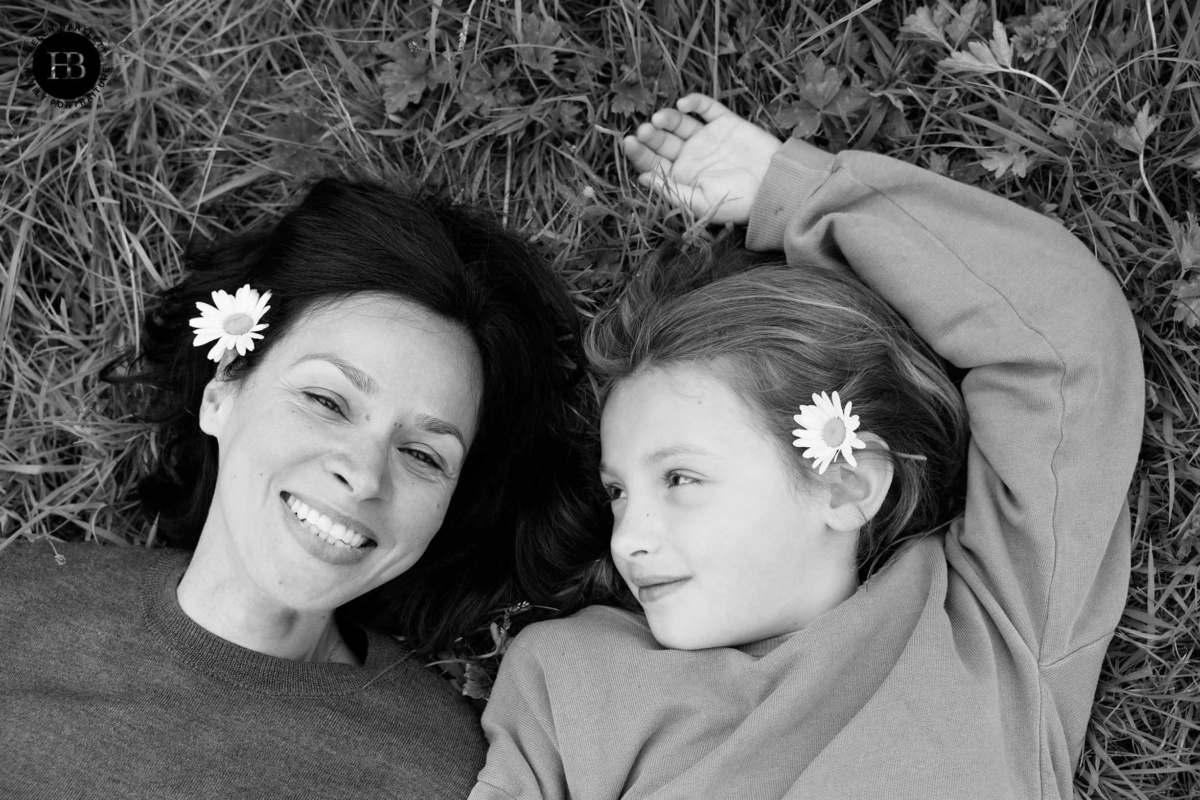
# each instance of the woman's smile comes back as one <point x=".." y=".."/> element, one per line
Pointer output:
<point x="333" y="542"/>
<point x="331" y="522"/>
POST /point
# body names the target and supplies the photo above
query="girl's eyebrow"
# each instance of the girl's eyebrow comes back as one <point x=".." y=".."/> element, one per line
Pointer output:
<point x="665" y="453"/>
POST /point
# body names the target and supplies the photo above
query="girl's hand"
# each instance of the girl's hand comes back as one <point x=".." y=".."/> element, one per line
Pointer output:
<point x="713" y="167"/>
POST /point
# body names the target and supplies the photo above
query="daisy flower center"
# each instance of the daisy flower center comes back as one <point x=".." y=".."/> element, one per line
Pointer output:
<point x="834" y="432"/>
<point x="237" y="324"/>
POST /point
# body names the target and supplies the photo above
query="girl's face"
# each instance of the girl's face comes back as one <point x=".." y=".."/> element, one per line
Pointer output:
<point x="710" y="530"/>
<point x="354" y="427"/>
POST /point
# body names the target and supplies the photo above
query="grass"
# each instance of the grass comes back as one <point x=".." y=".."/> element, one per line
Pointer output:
<point x="216" y="113"/>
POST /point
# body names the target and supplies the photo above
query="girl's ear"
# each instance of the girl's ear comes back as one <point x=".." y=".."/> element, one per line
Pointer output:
<point x="216" y="405"/>
<point x="856" y="493"/>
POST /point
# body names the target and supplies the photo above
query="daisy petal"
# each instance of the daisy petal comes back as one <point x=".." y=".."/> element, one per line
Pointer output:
<point x="261" y="306"/>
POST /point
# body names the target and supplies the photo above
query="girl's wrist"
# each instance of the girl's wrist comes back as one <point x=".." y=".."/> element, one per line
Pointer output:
<point x="796" y="170"/>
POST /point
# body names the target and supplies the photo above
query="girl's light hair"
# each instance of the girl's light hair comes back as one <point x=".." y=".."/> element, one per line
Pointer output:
<point x="777" y="334"/>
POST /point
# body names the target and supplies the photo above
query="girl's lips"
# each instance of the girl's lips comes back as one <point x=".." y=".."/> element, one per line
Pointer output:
<point x="657" y="591"/>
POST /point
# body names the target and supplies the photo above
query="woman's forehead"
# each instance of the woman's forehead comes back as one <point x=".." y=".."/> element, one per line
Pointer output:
<point x="391" y="348"/>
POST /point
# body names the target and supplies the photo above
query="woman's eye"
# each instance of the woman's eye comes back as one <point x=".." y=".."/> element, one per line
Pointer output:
<point x="422" y="456"/>
<point x="322" y="400"/>
<point x="613" y="492"/>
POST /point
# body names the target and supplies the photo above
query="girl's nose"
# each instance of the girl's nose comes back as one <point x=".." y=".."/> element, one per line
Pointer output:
<point x="635" y="532"/>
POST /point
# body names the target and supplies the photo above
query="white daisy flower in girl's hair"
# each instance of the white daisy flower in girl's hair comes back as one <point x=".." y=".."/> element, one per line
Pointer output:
<point x="827" y="429"/>
<point x="233" y="321"/>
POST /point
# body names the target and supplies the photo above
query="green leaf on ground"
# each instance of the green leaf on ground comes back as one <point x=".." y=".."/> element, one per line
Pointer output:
<point x="1134" y="137"/>
<point x="410" y="73"/>
<point x="631" y="98"/>
<point x="1011" y="158"/>
<point x="540" y="39"/>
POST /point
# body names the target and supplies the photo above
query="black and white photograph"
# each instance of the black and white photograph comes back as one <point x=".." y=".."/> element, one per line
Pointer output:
<point x="600" y="400"/>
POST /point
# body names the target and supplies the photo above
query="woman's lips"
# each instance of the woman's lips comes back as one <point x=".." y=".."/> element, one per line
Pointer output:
<point x="331" y="523"/>
<point x="317" y="544"/>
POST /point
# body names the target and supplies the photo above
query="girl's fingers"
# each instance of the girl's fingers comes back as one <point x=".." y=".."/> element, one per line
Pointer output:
<point x="703" y="105"/>
<point x="644" y="159"/>
<point x="665" y="144"/>
<point x="681" y="195"/>
<point x="683" y="126"/>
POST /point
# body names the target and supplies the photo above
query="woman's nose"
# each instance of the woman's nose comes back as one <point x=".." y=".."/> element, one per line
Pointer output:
<point x="361" y="467"/>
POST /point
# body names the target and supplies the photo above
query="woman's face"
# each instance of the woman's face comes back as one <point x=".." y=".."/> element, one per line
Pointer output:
<point x="340" y="452"/>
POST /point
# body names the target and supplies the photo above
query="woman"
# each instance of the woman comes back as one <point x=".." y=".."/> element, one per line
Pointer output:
<point x="360" y="434"/>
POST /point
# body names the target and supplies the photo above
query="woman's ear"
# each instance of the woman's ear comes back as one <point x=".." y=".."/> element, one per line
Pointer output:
<point x="857" y="492"/>
<point x="216" y="405"/>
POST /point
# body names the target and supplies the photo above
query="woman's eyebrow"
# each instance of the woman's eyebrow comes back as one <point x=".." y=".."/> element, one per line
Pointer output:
<point x="440" y="427"/>
<point x="367" y="385"/>
<point x="361" y="380"/>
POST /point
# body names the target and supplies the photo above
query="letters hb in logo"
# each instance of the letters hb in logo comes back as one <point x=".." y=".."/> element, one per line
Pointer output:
<point x="66" y="64"/>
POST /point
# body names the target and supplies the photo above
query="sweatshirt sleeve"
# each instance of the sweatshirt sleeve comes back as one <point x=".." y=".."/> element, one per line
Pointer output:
<point x="1054" y="386"/>
<point x="523" y="761"/>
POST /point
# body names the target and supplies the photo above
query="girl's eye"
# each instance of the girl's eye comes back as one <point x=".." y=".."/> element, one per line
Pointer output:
<point x="322" y="400"/>
<point x="613" y="492"/>
<point x="679" y="479"/>
<point x="423" y="457"/>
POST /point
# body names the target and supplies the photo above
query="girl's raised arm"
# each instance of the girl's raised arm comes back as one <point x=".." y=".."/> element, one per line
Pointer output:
<point x="1054" y="389"/>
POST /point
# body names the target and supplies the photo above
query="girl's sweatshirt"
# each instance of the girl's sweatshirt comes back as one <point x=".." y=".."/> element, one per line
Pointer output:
<point x="966" y="667"/>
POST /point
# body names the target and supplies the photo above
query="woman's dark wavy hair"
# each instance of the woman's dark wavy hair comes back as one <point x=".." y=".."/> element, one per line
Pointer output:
<point x="776" y="334"/>
<point x="527" y="480"/>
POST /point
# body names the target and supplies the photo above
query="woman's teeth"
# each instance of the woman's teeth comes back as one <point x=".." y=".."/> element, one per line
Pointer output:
<point x="334" y="533"/>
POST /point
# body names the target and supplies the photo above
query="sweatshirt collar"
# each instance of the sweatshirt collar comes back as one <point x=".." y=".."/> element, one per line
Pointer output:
<point x="208" y="654"/>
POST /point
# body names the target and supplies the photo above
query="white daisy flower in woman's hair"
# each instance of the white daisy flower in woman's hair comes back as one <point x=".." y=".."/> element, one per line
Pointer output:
<point x="233" y="321"/>
<point x="827" y="429"/>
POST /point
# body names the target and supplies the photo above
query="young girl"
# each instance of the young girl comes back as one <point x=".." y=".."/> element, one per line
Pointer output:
<point x="773" y="444"/>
